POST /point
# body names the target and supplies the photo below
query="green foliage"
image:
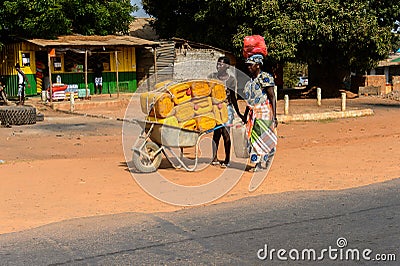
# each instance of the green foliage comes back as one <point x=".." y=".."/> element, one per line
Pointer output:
<point x="94" y="17"/>
<point x="48" y="19"/>
<point x="25" y="18"/>
<point x="344" y="35"/>
<point x="211" y="22"/>
<point x="356" y="33"/>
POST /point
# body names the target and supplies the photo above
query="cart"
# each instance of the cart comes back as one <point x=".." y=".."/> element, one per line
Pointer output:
<point x="157" y="138"/>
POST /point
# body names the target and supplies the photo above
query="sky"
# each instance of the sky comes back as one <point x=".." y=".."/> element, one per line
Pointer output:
<point x="140" y="13"/>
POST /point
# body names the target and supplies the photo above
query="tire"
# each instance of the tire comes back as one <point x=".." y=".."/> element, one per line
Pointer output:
<point x="143" y="164"/>
<point x="17" y="115"/>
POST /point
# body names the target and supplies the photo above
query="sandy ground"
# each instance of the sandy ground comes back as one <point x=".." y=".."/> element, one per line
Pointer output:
<point x="71" y="166"/>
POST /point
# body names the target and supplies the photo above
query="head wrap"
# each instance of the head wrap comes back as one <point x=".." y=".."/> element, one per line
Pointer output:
<point x="255" y="59"/>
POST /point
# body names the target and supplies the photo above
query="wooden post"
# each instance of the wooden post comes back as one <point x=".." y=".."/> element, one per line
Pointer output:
<point x="286" y="107"/>
<point x="319" y="96"/>
<point x="86" y="76"/>
<point x="155" y="64"/>
<point x="71" y="101"/>
<point x="116" y="69"/>
<point x="343" y="102"/>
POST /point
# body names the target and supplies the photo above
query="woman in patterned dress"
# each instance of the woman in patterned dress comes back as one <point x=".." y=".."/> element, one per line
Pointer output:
<point x="260" y="114"/>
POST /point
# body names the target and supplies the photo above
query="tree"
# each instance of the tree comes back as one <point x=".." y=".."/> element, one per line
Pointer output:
<point x="175" y="17"/>
<point x="32" y="18"/>
<point x="333" y="37"/>
<point x="98" y="17"/>
<point x="48" y="19"/>
<point x="344" y="36"/>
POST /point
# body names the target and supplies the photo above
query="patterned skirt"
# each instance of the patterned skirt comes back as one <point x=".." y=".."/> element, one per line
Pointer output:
<point x="261" y="132"/>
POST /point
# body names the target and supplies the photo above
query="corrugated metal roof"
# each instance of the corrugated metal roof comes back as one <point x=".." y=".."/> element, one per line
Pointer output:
<point x="79" y="40"/>
<point x="165" y="54"/>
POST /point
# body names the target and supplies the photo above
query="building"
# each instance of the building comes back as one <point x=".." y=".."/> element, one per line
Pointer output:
<point x="72" y="58"/>
<point x="381" y="80"/>
<point x="389" y="67"/>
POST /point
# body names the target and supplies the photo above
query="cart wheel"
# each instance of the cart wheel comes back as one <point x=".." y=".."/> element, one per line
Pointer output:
<point x="145" y="164"/>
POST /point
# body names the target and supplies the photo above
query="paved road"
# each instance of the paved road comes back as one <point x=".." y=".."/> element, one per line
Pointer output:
<point x="224" y="234"/>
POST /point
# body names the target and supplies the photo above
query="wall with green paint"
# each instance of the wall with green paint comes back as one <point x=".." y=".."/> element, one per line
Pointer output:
<point x="12" y="85"/>
<point x="127" y="81"/>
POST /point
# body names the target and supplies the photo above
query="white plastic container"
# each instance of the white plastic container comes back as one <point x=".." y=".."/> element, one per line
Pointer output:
<point x="44" y="96"/>
<point x="240" y="141"/>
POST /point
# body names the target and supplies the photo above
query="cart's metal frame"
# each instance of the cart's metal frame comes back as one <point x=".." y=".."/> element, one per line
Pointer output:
<point x="168" y="137"/>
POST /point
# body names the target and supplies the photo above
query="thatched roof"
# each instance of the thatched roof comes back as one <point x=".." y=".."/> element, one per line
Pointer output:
<point x="82" y="41"/>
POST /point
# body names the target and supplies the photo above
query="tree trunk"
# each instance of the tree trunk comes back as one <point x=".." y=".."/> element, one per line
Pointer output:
<point x="330" y="78"/>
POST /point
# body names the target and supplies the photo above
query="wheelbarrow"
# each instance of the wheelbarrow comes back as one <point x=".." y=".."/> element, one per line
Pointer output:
<point x="157" y="138"/>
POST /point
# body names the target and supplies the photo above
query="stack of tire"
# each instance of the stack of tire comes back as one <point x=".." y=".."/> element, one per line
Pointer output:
<point x="197" y="105"/>
<point x="17" y="115"/>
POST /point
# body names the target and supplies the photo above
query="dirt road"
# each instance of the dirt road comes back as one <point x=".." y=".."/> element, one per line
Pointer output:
<point x="72" y="166"/>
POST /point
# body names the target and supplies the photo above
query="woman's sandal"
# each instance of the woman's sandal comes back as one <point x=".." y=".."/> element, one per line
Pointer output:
<point x="257" y="168"/>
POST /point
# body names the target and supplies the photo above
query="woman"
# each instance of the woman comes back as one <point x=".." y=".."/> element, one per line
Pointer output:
<point x="230" y="86"/>
<point x="260" y="114"/>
